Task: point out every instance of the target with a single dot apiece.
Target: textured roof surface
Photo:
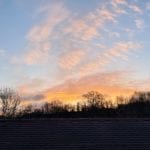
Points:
(75, 134)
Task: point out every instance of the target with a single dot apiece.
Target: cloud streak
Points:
(107, 83)
(119, 50)
(112, 84)
(81, 48)
(139, 23)
(79, 31)
(39, 37)
(70, 60)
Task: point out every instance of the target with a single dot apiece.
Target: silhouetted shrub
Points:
(93, 105)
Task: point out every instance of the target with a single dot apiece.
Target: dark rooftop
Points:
(75, 134)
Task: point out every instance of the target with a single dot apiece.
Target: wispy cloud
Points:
(114, 34)
(29, 86)
(140, 84)
(39, 37)
(106, 83)
(139, 23)
(83, 47)
(71, 59)
(115, 3)
(129, 31)
(119, 50)
(136, 9)
(112, 84)
(88, 27)
(79, 30)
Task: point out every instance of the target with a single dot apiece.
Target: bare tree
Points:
(140, 97)
(54, 106)
(78, 107)
(28, 109)
(108, 104)
(46, 108)
(94, 99)
(120, 100)
(9, 100)
(69, 107)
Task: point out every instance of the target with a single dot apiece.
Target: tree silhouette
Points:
(94, 99)
(95, 104)
(10, 101)
(53, 107)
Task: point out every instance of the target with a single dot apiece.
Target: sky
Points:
(61, 49)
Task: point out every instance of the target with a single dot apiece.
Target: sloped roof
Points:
(75, 134)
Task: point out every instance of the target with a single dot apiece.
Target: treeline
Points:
(94, 104)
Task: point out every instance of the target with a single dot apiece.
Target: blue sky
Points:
(47, 47)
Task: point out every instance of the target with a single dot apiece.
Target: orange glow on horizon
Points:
(76, 96)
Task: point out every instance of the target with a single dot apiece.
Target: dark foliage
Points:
(94, 105)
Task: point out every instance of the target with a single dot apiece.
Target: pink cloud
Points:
(58, 19)
(39, 37)
(119, 50)
(76, 41)
(71, 59)
(113, 84)
(29, 86)
(38, 53)
(87, 27)
(115, 3)
(136, 9)
(107, 83)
